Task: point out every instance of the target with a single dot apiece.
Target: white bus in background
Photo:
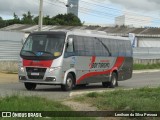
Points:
(70, 58)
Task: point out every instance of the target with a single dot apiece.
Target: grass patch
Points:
(148, 66)
(18, 103)
(145, 99)
(92, 95)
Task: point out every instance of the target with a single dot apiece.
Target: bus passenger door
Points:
(69, 55)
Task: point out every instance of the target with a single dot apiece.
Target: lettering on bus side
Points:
(100, 65)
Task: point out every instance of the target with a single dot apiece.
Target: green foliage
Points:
(24, 103)
(2, 22)
(148, 66)
(144, 99)
(28, 18)
(16, 19)
(67, 19)
(32, 103)
(92, 95)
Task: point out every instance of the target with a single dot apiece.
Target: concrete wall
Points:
(8, 66)
(146, 53)
(10, 45)
(146, 61)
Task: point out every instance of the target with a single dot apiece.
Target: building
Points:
(99, 24)
(147, 40)
(73, 7)
(133, 20)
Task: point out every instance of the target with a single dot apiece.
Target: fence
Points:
(10, 45)
(146, 53)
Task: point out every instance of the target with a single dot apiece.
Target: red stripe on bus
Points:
(37, 63)
(116, 66)
(93, 59)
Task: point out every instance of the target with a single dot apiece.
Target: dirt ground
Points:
(8, 78)
(77, 106)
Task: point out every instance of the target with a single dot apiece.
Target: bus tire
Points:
(113, 82)
(69, 83)
(30, 86)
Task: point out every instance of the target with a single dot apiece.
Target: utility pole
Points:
(40, 23)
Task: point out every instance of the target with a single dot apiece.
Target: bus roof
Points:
(91, 33)
(88, 33)
(49, 32)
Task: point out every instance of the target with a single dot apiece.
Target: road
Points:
(54, 92)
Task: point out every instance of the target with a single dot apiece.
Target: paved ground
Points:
(8, 78)
(9, 85)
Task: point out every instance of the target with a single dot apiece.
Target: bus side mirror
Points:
(70, 41)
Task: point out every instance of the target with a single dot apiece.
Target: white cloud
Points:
(54, 7)
(139, 5)
(51, 7)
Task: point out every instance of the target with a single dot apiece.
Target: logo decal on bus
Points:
(73, 60)
(101, 64)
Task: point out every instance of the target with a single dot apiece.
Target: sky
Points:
(90, 11)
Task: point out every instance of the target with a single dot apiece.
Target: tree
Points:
(16, 19)
(36, 19)
(47, 20)
(1, 18)
(67, 19)
(2, 22)
(27, 18)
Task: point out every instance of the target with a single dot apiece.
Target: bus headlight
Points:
(53, 69)
(21, 69)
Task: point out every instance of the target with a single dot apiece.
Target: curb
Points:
(79, 93)
(146, 71)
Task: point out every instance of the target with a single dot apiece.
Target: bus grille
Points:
(31, 72)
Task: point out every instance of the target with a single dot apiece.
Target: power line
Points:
(97, 14)
(83, 11)
(114, 9)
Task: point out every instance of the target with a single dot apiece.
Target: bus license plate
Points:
(35, 74)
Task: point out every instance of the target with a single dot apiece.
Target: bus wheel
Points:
(30, 86)
(113, 82)
(69, 83)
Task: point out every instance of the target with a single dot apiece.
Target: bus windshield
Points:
(43, 47)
